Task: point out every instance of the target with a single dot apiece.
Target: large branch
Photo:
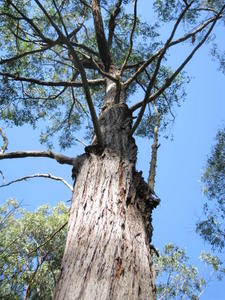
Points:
(180, 68)
(52, 83)
(60, 158)
(49, 176)
(100, 35)
(112, 22)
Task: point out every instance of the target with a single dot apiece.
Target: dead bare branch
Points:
(49, 176)
(5, 141)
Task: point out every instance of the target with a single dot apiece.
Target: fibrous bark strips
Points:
(107, 254)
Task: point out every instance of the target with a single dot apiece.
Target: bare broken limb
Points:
(49, 176)
(5, 141)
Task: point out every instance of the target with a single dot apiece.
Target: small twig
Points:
(50, 176)
(3, 177)
(80, 141)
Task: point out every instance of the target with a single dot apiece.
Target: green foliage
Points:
(219, 56)
(178, 279)
(62, 110)
(31, 249)
(25, 265)
(166, 104)
(212, 227)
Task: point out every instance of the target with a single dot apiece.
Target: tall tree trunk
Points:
(107, 254)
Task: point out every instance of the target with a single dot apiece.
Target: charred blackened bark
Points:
(107, 254)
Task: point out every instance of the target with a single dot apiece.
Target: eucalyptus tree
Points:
(212, 227)
(80, 64)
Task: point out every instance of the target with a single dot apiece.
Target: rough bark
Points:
(107, 254)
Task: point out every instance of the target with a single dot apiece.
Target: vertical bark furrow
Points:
(107, 251)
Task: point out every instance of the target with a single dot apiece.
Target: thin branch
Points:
(5, 141)
(11, 59)
(60, 158)
(112, 22)
(52, 83)
(39, 264)
(193, 32)
(175, 42)
(49, 239)
(131, 39)
(60, 17)
(49, 176)
(180, 68)
(88, 97)
(3, 179)
(81, 142)
(30, 21)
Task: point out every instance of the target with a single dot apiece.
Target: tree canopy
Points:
(57, 57)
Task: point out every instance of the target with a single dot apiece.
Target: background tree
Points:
(212, 227)
(31, 249)
(32, 245)
(55, 41)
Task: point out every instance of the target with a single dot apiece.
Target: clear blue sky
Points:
(180, 163)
